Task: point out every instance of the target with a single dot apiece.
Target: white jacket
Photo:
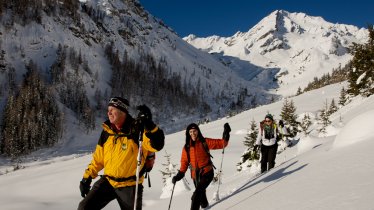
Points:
(267, 142)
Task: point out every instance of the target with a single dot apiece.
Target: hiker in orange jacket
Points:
(195, 154)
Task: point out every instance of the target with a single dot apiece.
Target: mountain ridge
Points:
(300, 46)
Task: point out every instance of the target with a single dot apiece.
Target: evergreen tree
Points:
(289, 116)
(361, 74)
(305, 124)
(31, 118)
(249, 142)
(69, 84)
(299, 91)
(342, 97)
(324, 119)
(338, 75)
(169, 170)
(9, 144)
(333, 108)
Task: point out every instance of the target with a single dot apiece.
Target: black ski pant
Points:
(199, 196)
(268, 154)
(102, 193)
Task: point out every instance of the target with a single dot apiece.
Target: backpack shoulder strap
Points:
(262, 127)
(187, 148)
(276, 128)
(207, 151)
(206, 148)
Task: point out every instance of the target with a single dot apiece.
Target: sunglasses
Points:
(117, 102)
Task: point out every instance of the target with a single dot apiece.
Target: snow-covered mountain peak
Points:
(300, 47)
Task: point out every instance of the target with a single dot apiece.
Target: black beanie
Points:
(193, 126)
(120, 103)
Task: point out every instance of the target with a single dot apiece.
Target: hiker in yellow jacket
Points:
(116, 153)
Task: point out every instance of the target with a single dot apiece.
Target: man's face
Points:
(116, 116)
(193, 133)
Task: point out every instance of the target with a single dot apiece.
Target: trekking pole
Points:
(284, 152)
(172, 192)
(139, 159)
(220, 174)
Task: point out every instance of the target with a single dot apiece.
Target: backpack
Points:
(148, 165)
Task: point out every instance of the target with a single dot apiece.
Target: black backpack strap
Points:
(207, 151)
(206, 147)
(187, 148)
(149, 179)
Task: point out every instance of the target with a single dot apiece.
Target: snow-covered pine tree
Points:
(299, 91)
(361, 74)
(333, 108)
(169, 170)
(305, 124)
(342, 97)
(289, 116)
(249, 155)
(19, 133)
(324, 119)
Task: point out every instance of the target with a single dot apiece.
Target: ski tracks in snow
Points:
(272, 177)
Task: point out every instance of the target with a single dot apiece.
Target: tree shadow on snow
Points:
(275, 177)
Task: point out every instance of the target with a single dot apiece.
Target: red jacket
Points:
(199, 158)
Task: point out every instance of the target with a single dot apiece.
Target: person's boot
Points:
(195, 204)
(204, 201)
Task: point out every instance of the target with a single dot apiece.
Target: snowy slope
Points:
(316, 173)
(303, 178)
(298, 46)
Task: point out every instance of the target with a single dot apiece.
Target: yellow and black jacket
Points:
(117, 153)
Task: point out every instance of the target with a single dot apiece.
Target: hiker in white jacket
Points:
(267, 139)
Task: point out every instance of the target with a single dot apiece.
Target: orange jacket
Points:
(199, 158)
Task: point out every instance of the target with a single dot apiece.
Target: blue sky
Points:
(226, 17)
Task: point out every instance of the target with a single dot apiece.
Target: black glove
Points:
(255, 147)
(177, 177)
(226, 131)
(145, 117)
(85, 186)
(157, 139)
